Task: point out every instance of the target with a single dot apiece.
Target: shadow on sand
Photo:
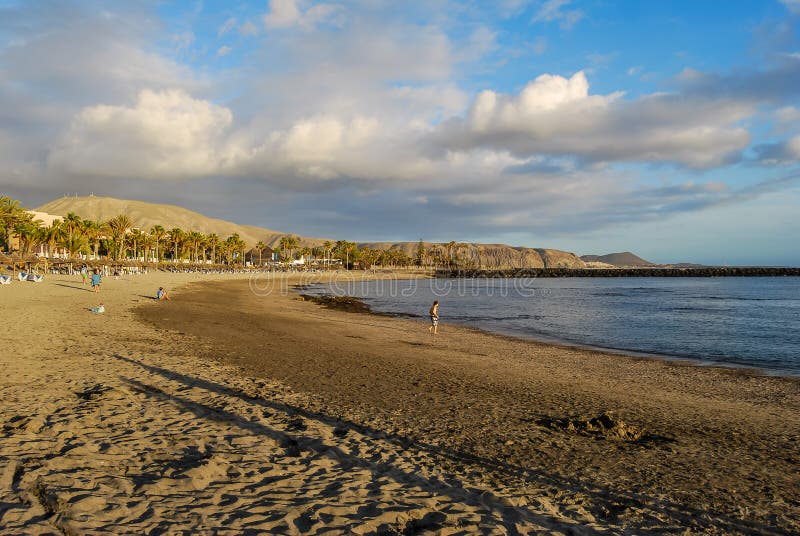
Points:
(610, 501)
(76, 287)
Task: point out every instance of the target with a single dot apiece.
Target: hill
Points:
(624, 259)
(496, 256)
(146, 215)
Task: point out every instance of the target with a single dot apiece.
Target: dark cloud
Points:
(775, 85)
(781, 153)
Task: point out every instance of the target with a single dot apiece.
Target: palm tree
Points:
(212, 241)
(327, 246)
(260, 247)
(283, 243)
(147, 242)
(304, 253)
(234, 245)
(194, 238)
(137, 237)
(230, 247)
(72, 227)
(53, 235)
(237, 245)
(119, 226)
(158, 233)
(29, 234)
(370, 257)
(288, 244)
(76, 244)
(93, 231)
(346, 251)
(11, 214)
(242, 245)
(204, 245)
(420, 258)
(176, 236)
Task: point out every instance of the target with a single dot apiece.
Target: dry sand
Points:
(232, 411)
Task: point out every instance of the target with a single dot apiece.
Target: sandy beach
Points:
(226, 410)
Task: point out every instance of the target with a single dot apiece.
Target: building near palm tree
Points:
(46, 219)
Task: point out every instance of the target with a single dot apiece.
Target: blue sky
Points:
(671, 129)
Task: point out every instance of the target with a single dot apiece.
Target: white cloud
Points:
(481, 41)
(793, 147)
(289, 13)
(165, 135)
(551, 11)
(282, 13)
(224, 51)
(557, 116)
(787, 116)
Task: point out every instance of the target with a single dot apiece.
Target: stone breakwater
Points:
(721, 271)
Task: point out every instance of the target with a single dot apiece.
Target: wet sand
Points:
(228, 411)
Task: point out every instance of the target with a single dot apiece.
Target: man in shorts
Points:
(434, 312)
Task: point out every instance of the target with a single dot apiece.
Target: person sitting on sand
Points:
(99, 309)
(162, 294)
(96, 280)
(434, 312)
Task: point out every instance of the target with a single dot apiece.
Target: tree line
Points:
(117, 240)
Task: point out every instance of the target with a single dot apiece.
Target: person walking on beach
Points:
(434, 312)
(96, 280)
(84, 274)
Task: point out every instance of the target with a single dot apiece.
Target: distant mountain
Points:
(146, 215)
(624, 259)
(496, 256)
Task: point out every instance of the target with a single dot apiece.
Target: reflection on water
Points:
(751, 321)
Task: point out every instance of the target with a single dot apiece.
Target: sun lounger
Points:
(36, 278)
(22, 276)
(5, 279)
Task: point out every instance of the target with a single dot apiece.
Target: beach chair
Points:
(22, 276)
(5, 279)
(36, 278)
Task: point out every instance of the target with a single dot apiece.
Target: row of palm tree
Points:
(117, 239)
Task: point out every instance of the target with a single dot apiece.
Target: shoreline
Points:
(734, 367)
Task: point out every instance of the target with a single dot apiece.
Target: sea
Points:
(751, 322)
